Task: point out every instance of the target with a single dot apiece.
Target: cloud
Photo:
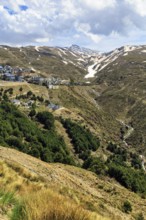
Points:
(99, 5)
(98, 24)
(139, 6)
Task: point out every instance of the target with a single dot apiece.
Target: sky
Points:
(101, 25)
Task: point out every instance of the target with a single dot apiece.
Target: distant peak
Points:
(75, 46)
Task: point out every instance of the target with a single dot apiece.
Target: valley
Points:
(82, 112)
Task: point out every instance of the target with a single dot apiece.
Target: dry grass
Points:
(17, 179)
(27, 197)
(47, 205)
(24, 175)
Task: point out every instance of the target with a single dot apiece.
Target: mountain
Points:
(124, 96)
(83, 50)
(98, 126)
(118, 78)
(63, 62)
(106, 60)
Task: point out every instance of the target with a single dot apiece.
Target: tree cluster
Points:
(82, 139)
(18, 131)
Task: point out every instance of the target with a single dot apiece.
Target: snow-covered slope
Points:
(89, 60)
(67, 60)
(101, 61)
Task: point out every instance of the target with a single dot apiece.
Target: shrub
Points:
(127, 208)
(139, 217)
(46, 118)
(95, 164)
(32, 113)
(29, 93)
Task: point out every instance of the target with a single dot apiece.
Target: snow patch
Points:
(73, 54)
(59, 54)
(143, 51)
(80, 59)
(72, 63)
(103, 67)
(37, 48)
(33, 69)
(129, 48)
(125, 54)
(91, 71)
(65, 62)
(61, 50)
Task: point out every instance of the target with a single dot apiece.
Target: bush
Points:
(32, 113)
(127, 208)
(139, 217)
(95, 164)
(29, 93)
(46, 118)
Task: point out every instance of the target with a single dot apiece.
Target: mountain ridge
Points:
(89, 62)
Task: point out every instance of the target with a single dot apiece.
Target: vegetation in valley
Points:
(38, 138)
(20, 132)
(82, 139)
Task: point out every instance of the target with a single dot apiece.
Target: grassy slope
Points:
(37, 90)
(46, 62)
(25, 195)
(78, 103)
(124, 96)
(82, 107)
(82, 187)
